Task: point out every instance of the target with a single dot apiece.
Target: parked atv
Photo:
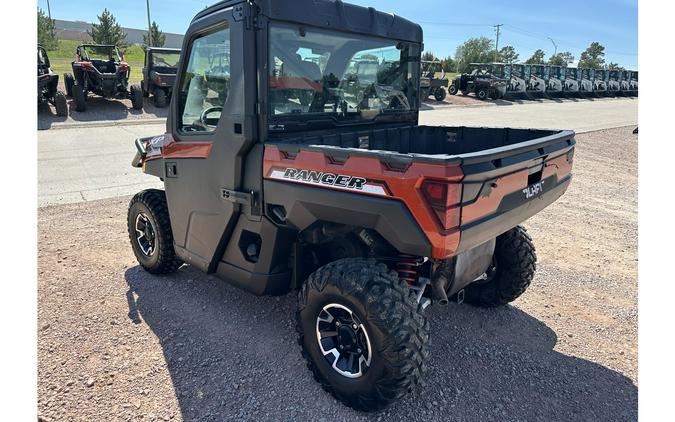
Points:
(481, 82)
(100, 70)
(48, 82)
(159, 73)
(297, 175)
(430, 85)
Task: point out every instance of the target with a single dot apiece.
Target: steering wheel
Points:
(203, 119)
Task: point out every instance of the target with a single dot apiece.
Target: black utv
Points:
(159, 73)
(481, 81)
(101, 70)
(47, 84)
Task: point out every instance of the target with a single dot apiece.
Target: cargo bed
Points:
(496, 177)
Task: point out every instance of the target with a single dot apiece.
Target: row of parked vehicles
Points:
(500, 80)
(101, 70)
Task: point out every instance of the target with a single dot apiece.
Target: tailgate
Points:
(505, 186)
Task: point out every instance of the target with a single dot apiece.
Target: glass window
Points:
(205, 83)
(316, 72)
(166, 59)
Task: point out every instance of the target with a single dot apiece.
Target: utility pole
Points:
(147, 5)
(497, 28)
(49, 10)
(555, 46)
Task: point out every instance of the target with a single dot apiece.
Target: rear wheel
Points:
(482, 94)
(80, 98)
(150, 232)
(439, 95)
(69, 81)
(362, 332)
(515, 265)
(452, 89)
(61, 104)
(136, 97)
(160, 97)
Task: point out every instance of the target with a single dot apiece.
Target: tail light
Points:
(444, 199)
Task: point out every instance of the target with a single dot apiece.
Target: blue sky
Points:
(573, 24)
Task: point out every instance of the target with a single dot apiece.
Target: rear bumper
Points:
(507, 216)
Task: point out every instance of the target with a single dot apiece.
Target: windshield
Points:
(165, 59)
(106, 53)
(345, 76)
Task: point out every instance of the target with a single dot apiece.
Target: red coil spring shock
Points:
(408, 269)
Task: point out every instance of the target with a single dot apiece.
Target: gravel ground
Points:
(116, 343)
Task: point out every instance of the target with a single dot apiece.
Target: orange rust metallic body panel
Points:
(404, 186)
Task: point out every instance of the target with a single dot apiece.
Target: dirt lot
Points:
(116, 343)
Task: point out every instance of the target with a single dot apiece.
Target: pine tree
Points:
(46, 33)
(108, 31)
(157, 37)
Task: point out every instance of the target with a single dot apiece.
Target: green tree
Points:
(561, 59)
(508, 54)
(537, 57)
(46, 33)
(614, 66)
(474, 50)
(428, 56)
(449, 64)
(593, 57)
(157, 37)
(108, 31)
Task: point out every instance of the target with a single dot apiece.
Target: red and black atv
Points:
(101, 70)
(48, 82)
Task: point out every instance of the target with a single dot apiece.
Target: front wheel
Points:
(452, 89)
(150, 232)
(482, 94)
(362, 332)
(515, 263)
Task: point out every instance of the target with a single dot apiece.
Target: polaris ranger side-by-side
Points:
(294, 172)
(101, 70)
(159, 73)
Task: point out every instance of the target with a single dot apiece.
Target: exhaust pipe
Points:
(440, 282)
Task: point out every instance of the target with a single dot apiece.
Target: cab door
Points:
(212, 122)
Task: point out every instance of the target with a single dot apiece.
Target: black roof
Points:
(332, 14)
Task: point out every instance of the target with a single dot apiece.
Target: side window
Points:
(205, 83)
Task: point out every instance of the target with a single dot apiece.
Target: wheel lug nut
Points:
(358, 350)
(355, 326)
(337, 323)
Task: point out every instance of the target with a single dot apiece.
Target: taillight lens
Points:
(444, 199)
